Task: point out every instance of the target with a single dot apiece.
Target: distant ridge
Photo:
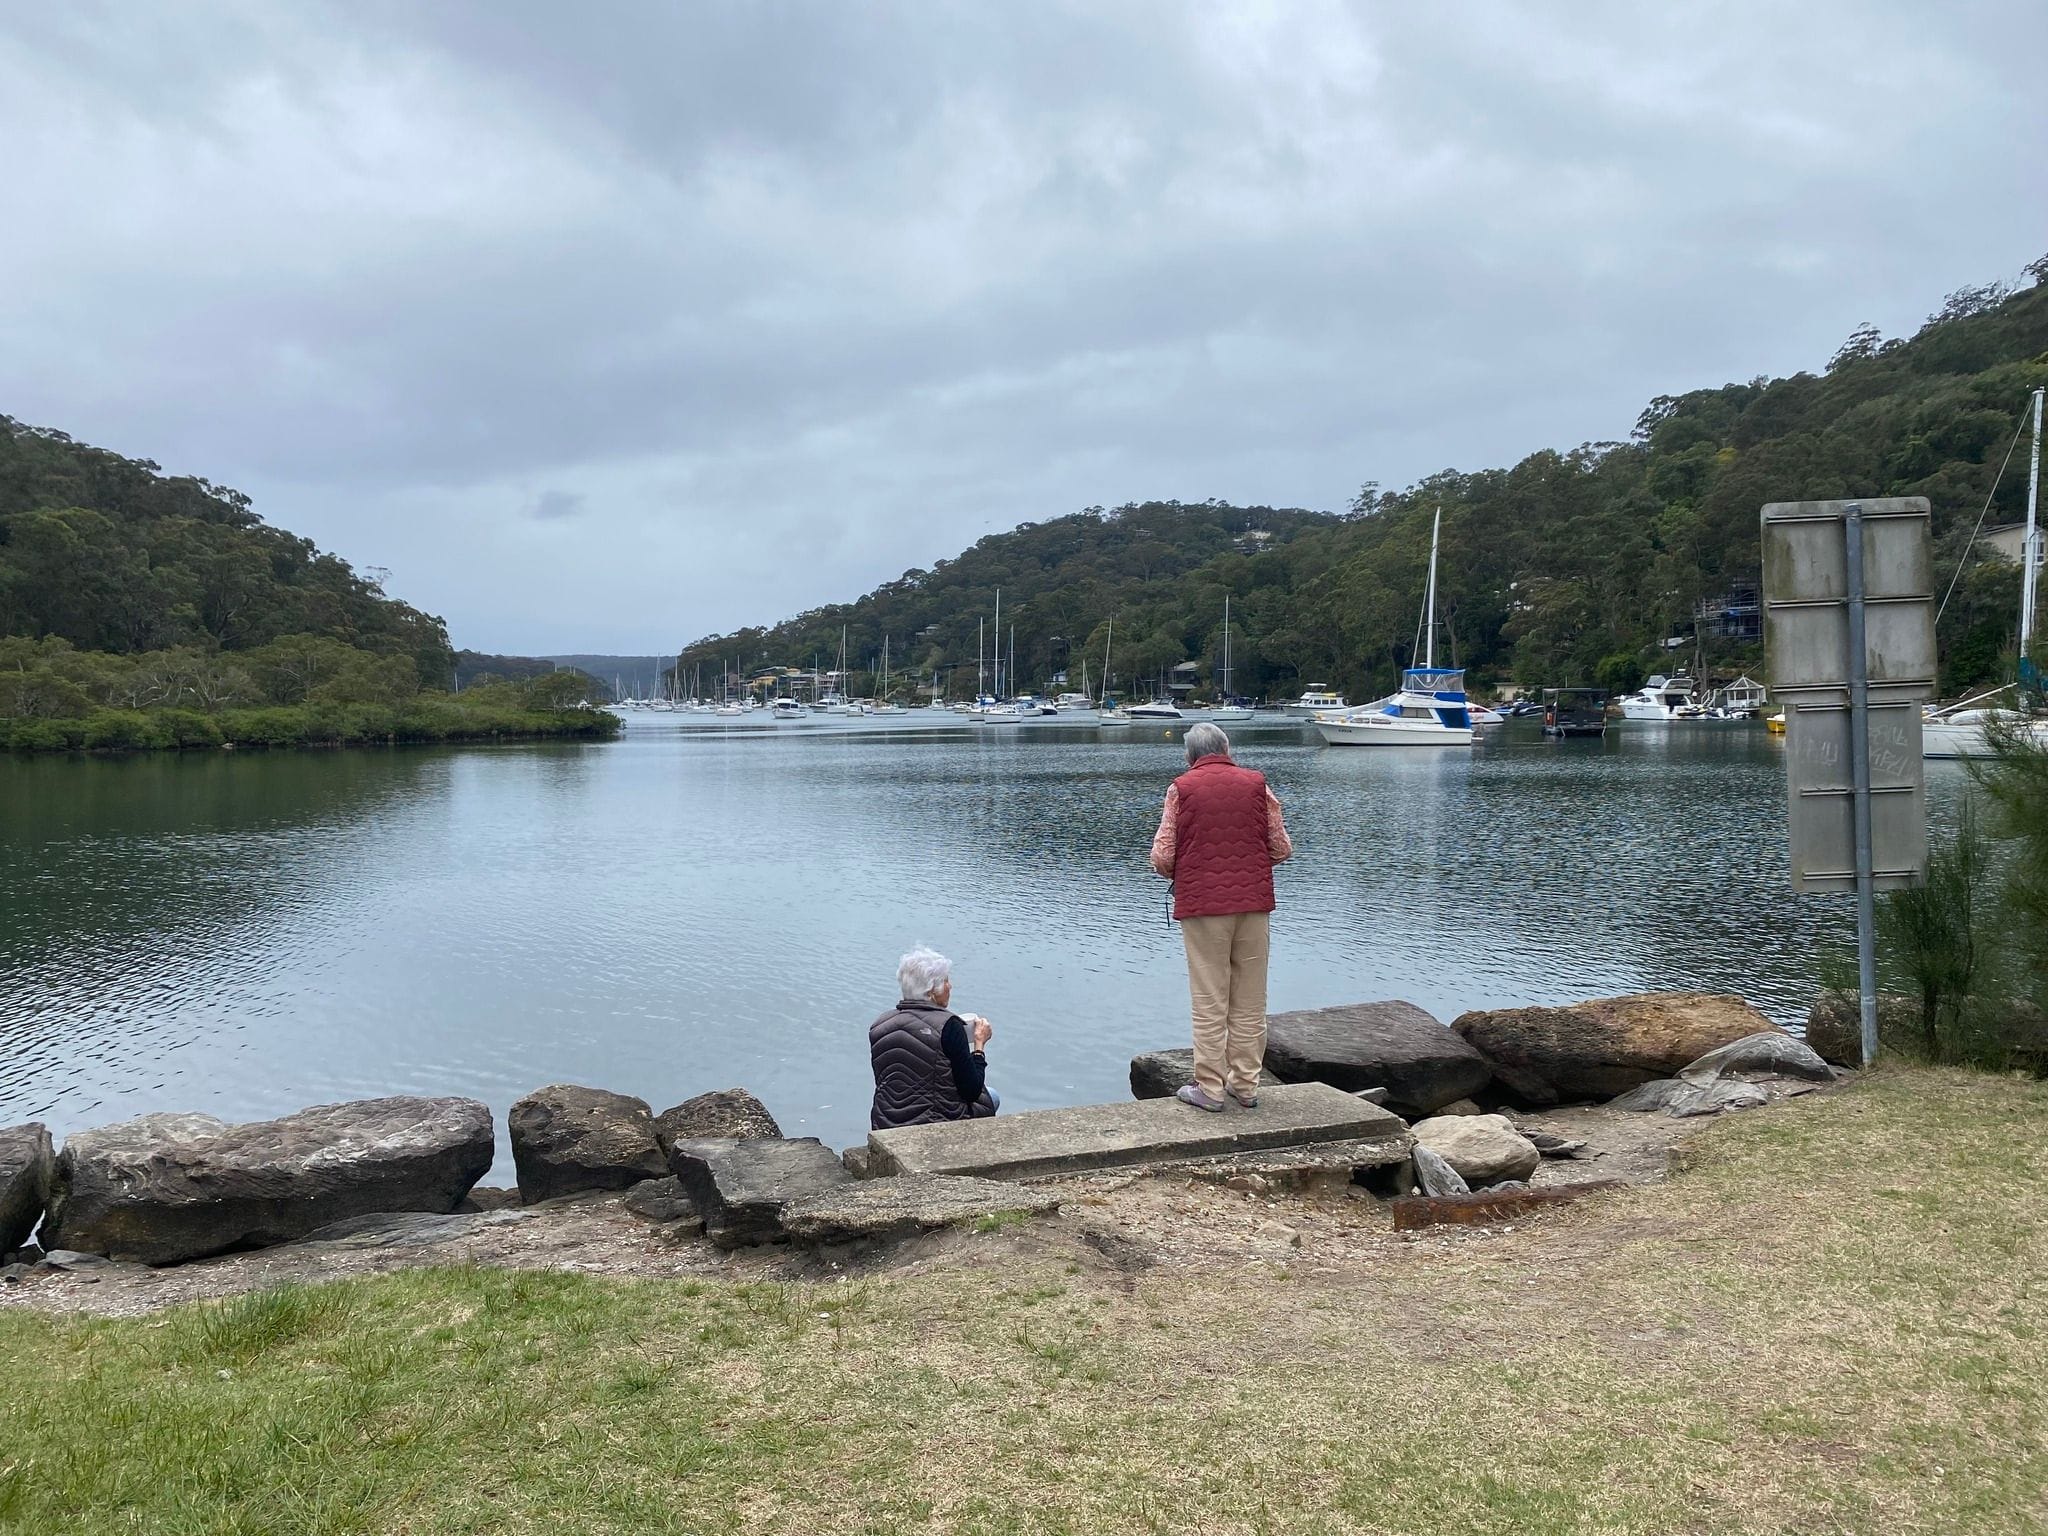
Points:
(1579, 566)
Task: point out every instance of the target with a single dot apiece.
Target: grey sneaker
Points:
(1249, 1098)
(1192, 1094)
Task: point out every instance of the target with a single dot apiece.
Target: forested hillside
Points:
(1571, 567)
(145, 610)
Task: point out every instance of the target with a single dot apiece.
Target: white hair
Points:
(1206, 740)
(921, 973)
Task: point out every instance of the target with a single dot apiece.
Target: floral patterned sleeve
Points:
(1166, 841)
(1278, 843)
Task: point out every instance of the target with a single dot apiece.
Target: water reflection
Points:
(684, 910)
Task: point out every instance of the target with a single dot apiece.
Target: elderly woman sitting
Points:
(929, 1061)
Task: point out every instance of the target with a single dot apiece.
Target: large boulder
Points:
(1390, 1045)
(1162, 1074)
(2009, 1030)
(165, 1188)
(884, 1210)
(1603, 1048)
(725, 1112)
(1834, 1025)
(742, 1185)
(567, 1139)
(27, 1163)
(1482, 1149)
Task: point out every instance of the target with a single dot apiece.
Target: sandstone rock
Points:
(661, 1200)
(880, 1210)
(1835, 1031)
(1834, 1026)
(1482, 1148)
(1462, 1107)
(1599, 1049)
(742, 1185)
(490, 1197)
(855, 1160)
(724, 1112)
(27, 1163)
(1552, 1145)
(1436, 1176)
(1162, 1074)
(164, 1188)
(1390, 1045)
(567, 1139)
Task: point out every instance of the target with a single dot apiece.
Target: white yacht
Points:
(1965, 732)
(786, 708)
(1158, 709)
(1316, 700)
(1227, 711)
(1428, 710)
(1661, 698)
(1965, 729)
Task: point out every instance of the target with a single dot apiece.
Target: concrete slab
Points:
(1041, 1143)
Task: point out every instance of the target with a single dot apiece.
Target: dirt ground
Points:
(1111, 1224)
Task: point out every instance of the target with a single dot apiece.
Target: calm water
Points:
(692, 908)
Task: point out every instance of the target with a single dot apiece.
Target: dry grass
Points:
(1830, 1322)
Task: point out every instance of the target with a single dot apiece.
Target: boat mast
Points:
(1226, 648)
(2030, 548)
(1429, 603)
(999, 643)
(980, 660)
(1107, 641)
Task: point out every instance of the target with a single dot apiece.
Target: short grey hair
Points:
(921, 973)
(1206, 740)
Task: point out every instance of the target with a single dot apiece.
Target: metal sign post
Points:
(1859, 759)
(1849, 634)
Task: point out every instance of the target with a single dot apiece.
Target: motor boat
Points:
(1158, 709)
(1428, 710)
(1317, 699)
(788, 709)
(1661, 698)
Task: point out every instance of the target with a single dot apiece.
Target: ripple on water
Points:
(687, 910)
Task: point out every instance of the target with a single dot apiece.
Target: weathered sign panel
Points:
(1807, 624)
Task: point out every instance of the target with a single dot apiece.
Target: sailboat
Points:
(884, 705)
(1428, 710)
(1227, 709)
(1110, 712)
(1966, 729)
(990, 709)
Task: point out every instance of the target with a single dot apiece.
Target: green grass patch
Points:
(1832, 1322)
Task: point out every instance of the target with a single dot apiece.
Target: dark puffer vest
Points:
(1222, 862)
(913, 1078)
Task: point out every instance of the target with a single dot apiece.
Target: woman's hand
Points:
(979, 1031)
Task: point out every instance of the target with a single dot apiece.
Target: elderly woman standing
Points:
(930, 1063)
(1219, 837)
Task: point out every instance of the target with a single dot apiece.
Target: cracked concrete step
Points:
(1043, 1143)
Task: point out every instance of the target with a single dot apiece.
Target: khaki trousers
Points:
(1227, 991)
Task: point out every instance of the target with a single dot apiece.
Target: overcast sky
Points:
(609, 326)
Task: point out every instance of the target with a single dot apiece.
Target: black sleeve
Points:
(970, 1067)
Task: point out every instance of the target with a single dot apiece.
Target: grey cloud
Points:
(550, 505)
(800, 295)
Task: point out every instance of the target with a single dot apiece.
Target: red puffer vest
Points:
(1222, 862)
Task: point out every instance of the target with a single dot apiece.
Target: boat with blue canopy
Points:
(1428, 710)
